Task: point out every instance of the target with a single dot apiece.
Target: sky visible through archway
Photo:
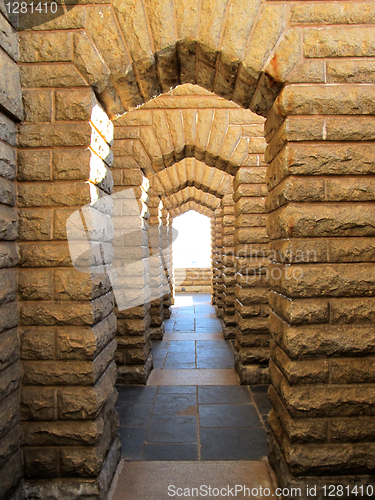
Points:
(192, 247)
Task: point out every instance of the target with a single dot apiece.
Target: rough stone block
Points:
(37, 105)
(41, 462)
(343, 41)
(74, 104)
(35, 224)
(51, 47)
(51, 75)
(10, 88)
(38, 403)
(82, 403)
(8, 285)
(7, 161)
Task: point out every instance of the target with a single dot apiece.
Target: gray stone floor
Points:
(193, 407)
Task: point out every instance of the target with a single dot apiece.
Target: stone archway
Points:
(319, 134)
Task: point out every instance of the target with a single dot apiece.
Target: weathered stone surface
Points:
(9, 413)
(34, 165)
(82, 403)
(323, 339)
(8, 39)
(353, 41)
(326, 100)
(8, 223)
(313, 220)
(48, 75)
(75, 194)
(37, 105)
(35, 224)
(74, 104)
(7, 161)
(7, 285)
(8, 131)
(352, 71)
(55, 134)
(51, 47)
(333, 13)
(10, 89)
(10, 380)
(41, 463)
(315, 159)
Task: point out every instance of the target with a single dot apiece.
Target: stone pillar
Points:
(133, 356)
(252, 335)
(322, 277)
(167, 262)
(218, 264)
(213, 260)
(157, 281)
(229, 272)
(10, 369)
(67, 326)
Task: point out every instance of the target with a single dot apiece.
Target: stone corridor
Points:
(118, 116)
(200, 420)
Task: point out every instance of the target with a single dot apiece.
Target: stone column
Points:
(157, 281)
(322, 277)
(218, 268)
(10, 369)
(229, 272)
(213, 259)
(133, 354)
(167, 262)
(252, 335)
(67, 327)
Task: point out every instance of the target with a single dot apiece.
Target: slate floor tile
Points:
(233, 444)
(228, 415)
(172, 429)
(215, 363)
(132, 441)
(176, 346)
(223, 394)
(174, 403)
(170, 452)
(181, 357)
(211, 344)
(136, 394)
(263, 403)
(178, 366)
(158, 363)
(134, 414)
(177, 389)
(215, 353)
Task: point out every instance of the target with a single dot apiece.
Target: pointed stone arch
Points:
(191, 172)
(221, 137)
(130, 52)
(190, 205)
(187, 194)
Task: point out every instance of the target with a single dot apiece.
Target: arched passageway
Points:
(307, 68)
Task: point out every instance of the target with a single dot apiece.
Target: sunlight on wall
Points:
(192, 247)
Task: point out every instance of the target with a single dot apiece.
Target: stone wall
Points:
(321, 272)
(67, 326)
(319, 262)
(192, 280)
(133, 354)
(11, 111)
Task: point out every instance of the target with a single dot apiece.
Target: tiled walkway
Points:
(193, 407)
(193, 424)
